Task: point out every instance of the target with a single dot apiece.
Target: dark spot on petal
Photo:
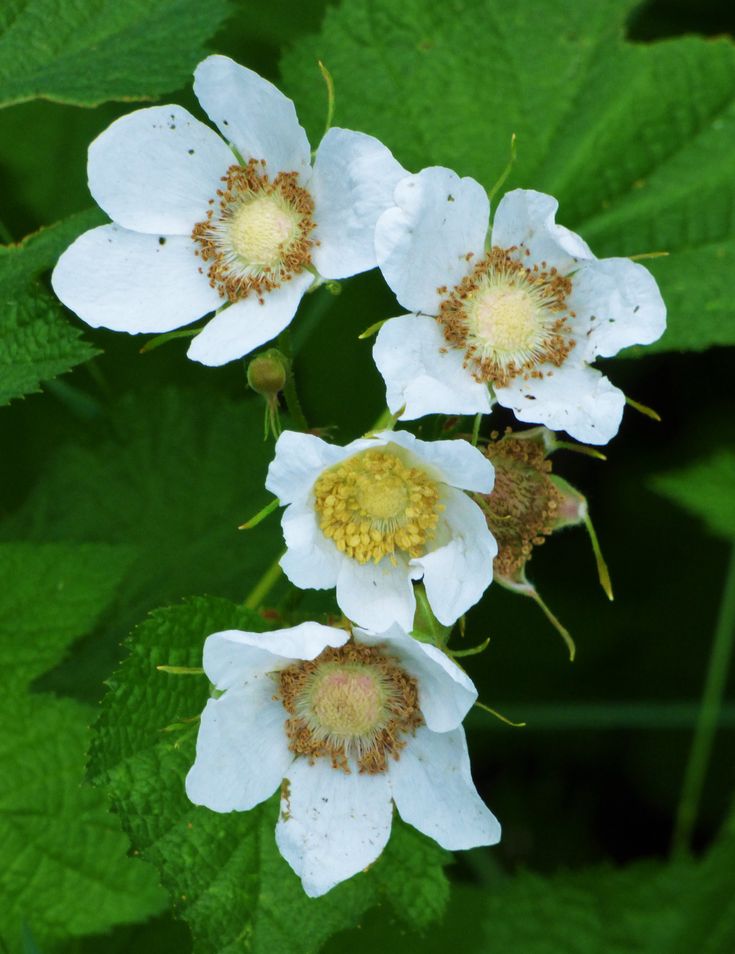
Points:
(225, 123)
(161, 240)
(636, 309)
(191, 152)
(450, 198)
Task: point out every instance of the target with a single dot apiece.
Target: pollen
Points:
(524, 506)
(353, 705)
(256, 233)
(375, 505)
(508, 318)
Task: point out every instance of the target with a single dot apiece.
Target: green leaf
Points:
(51, 595)
(37, 341)
(88, 52)
(170, 473)
(38, 253)
(705, 489)
(636, 141)
(224, 872)
(63, 865)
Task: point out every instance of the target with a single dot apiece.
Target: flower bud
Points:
(268, 372)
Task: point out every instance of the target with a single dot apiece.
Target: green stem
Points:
(289, 389)
(264, 585)
(476, 429)
(704, 733)
(327, 76)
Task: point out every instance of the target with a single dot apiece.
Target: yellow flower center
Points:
(347, 700)
(374, 505)
(508, 318)
(256, 233)
(351, 704)
(261, 229)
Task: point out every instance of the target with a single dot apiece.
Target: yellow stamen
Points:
(508, 318)
(374, 505)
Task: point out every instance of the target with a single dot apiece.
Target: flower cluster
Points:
(350, 720)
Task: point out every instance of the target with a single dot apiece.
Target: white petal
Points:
(242, 750)
(236, 658)
(433, 790)
(156, 169)
(299, 460)
(454, 462)
(423, 373)
(252, 114)
(353, 183)
(332, 825)
(311, 561)
(617, 303)
(423, 242)
(458, 573)
(576, 399)
(525, 219)
(446, 692)
(127, 281)
(376, 595)
(245, 325)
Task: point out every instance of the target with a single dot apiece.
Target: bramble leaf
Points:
(85, 52)
(635, 140)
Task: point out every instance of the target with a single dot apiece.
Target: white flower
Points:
(351, 726)
(387, 509)
(200, 222)
(518, 321)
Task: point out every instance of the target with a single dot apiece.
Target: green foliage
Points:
(636, 141)
(170, 474)
(648, 908)
(224, 872)
(37, 342)
(705, 489)
(88, 51)
(63, 864)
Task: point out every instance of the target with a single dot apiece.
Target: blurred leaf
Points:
(706, 489)
(648, 908)
(636, 141)
(51, 595)
(223, 871)
(88, 51)
(63, 864)
(171, 474)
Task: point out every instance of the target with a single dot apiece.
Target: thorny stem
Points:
(265, 584)
(709, 711)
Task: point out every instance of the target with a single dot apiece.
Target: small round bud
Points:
(268, 372)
